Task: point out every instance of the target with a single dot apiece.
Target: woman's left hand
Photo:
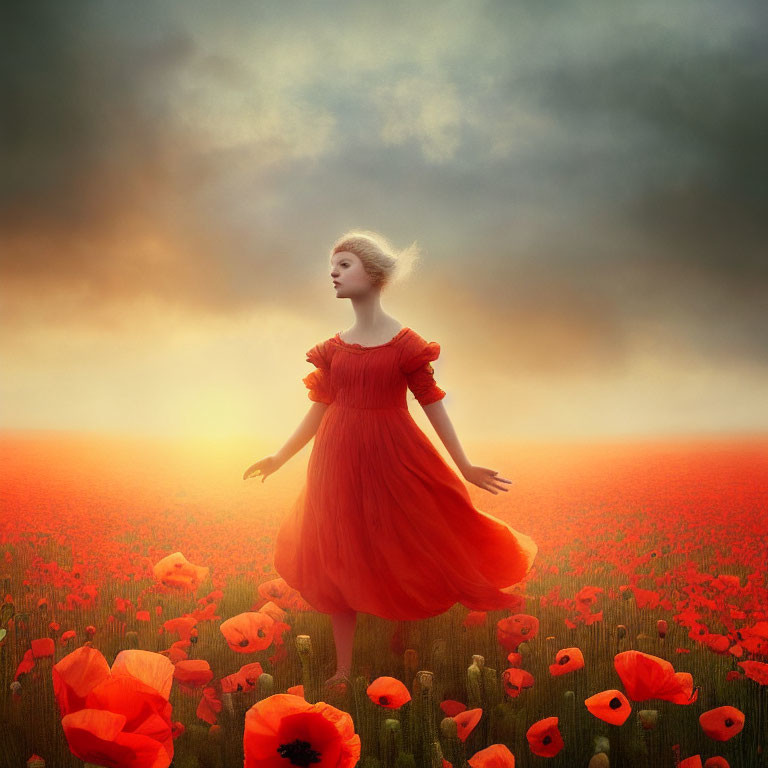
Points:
(485, 478)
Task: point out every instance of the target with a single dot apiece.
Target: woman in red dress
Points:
(383, 525)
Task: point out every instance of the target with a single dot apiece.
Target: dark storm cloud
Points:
(85, 155)
(634, 187)
(702, 195)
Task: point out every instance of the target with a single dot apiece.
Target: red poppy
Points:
(193, 673)
(514, 680)
(388, 692)
(495, 756)
(248, 632)
(716, 762)
(611, 706)
(755, 670)
(690, 762)
(182, 626)
(722, 723)
(274, 611)
(566, 660)
(98, 736)
(245, 679)
(513, 630)
(287, 598)
(662, 628)
(648, 677)
(475, 619)
(42, 647)
(209, 706)
(514, 659)
(76, 675)
(120, 716)
(586, 597)
(544, 737)
(151, 668)
(296, 690)
(286, 726)
(176, 571)
(451, 708)
(466, 722)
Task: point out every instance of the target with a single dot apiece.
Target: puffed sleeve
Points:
(420, 374)
(319, 382)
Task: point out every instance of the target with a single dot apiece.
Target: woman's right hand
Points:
(263, 467)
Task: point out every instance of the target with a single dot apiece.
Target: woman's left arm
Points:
(485, 478)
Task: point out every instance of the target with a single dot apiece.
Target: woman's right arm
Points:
(303, 434)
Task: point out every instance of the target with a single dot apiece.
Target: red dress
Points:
(383, 525)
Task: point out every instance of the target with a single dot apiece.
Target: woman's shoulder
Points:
(321, 353)
(417, 350)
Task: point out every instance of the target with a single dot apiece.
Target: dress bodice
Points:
(356, 376)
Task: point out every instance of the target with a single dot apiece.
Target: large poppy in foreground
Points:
(98, 736)
(118, 717)
(288, 727)
(648, 677)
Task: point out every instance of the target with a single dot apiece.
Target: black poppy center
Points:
(546, 740)
(564, 659)
(243, 643)
(615, 703)
(299, 752)
(384, 700)
(728, 722)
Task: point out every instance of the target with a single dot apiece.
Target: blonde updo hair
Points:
(383, 264)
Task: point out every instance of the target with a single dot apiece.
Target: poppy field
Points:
(143, 624)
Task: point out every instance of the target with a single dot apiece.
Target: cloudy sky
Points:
(588, 183)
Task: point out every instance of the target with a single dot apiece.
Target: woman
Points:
(383, 525)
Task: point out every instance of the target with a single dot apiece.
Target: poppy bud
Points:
(661, 628)
(648, 718)
(600, 760)
(621, 631)
(266, 685)
(35, 762)
(449, 728)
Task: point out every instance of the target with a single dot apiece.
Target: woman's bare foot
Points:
(341, 677)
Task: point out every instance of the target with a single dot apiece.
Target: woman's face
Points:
(349, 275)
